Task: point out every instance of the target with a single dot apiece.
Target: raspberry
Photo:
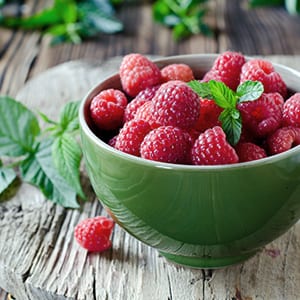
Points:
(227, 68)
(212, 148)
(181, 72)
(137, 72)
(262, 116)
(291, 111)
(166, 144)
(209, 115)
(176, 104)
(263, 71)
(142, 97)
(107, 109)
(283, 139)
(131, 136)
(93, 234)
(249, 151)
(145, 113)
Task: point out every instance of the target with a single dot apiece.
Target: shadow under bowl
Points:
(198, 216)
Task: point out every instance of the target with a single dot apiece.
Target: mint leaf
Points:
(7, 176)
(222, 94)
(249, 90)
(66, 154)
(38, 169)
(18, 128)
(69, 116)
(231, 124)
(200, 88)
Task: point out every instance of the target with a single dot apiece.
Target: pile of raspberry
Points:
(157, 116)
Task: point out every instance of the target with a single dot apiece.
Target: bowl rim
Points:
(156, 164)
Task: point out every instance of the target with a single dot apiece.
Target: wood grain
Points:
(39, 259)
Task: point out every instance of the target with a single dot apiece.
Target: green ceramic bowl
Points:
(199, 216)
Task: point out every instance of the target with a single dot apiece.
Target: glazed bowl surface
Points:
(198, 216)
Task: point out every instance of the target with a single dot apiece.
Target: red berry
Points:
(107, 109)
(93, 234)
(262, 116)
(212, 148)
(142, 97)
(249, 151)
(263, 71)
(145, 113)
(137, 72)
(227, 68)
(209, 115)
(131, 136)
(166, 144)
(181, 72)
(283, 139)
(291, 111)
(176, 104)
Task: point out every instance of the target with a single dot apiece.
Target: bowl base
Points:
(207, 262)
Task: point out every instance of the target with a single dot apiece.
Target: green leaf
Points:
(7, 176)
(38, 169)
(249, 91)
(292, 6)
(200, 88)
(231, 124)
(18, 128)
(66, 155)
(69, 116)
(222, 95)
(255, 3)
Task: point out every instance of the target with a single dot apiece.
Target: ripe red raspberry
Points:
(291, 111)
(209, 115)
(176, 104)
(142, 97)
(107, 109)
(283, 139)
(145, 113)
(249, 151)
(137, 72)
(263, 71)
(93, 234)
(212, 148)
(262, 116)
(166, 144)
(227, 68)
(181, 72)
(131, 136)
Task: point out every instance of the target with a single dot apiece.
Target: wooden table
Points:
(39, 258)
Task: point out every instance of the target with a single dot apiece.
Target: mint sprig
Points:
(49, 159)
(228, 99)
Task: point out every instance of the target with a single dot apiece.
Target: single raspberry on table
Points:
(249, 151)
(226, 68)
(283, 139)
(263, 116)
(107, 109)
(142, 97)
(176, 104)
(181, 72)
(137, 72)
(94, 233)
(212, 148)
(291, 111)
(166, 144)
(264, 71)
(209, 115)
(131, 136)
